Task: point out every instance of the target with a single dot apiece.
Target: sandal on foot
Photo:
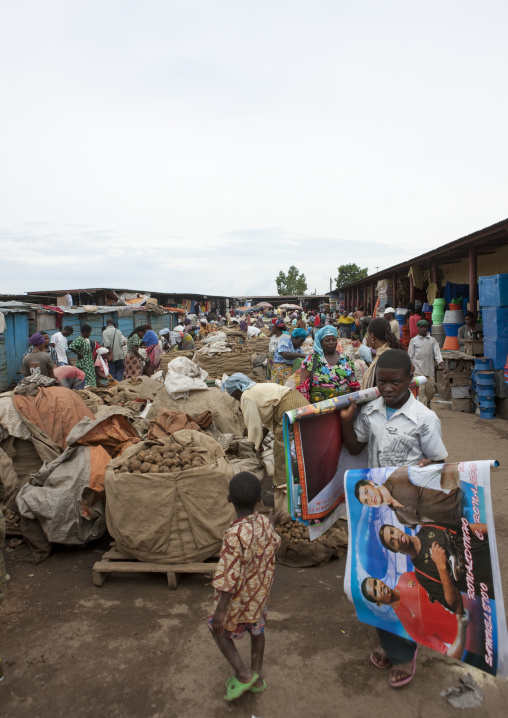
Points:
(235, 688)
(258, 689)
(398, 683)
(380, 661)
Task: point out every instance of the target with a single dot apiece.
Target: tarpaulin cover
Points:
(114, 433)
(55, 410)
(58, 498)
(169, 422)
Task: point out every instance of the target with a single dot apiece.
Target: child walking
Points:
(242, 584)
(399, 431)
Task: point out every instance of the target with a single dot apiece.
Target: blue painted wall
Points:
(13, 344)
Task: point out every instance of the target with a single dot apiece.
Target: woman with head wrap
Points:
(82, 346)
(38, 360)
(153, 352)
(259, 322)
(278, 328)
(380, 338)
(288, 349)
(134, 362)
(243, 325)
(263, 407)
(326, 373)
(102, 366)
(164, 340)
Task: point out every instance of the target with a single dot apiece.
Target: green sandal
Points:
(235, 689)
(258, 689)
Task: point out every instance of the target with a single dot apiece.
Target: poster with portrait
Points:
(422, 559)
(316, 459)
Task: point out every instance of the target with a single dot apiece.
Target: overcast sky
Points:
(203, 146)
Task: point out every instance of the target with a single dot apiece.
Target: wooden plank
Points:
(143, 567)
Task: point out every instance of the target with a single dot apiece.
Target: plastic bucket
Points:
(482, 363)
(439, 302)
(453, 316)
(487, 414)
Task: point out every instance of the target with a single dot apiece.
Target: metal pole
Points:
(473, 279)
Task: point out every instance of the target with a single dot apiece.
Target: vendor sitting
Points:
(102, 366)
(288, 349)
(467, 331)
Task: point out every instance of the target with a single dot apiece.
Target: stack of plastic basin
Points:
(400, 315)
(494, 304)
(438, 310)
(485, 394)
(438, 332)
(453, 320)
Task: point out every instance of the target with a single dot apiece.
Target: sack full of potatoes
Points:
(166, 500)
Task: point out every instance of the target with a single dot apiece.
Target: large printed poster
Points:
(316, 459)
(422, 559)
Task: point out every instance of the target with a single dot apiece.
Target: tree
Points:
(350, 273)
(291, 283)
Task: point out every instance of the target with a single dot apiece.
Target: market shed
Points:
(13, 341)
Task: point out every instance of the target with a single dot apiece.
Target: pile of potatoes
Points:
(294, 531)
(162, 460)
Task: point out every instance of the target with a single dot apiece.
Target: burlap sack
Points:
(175, 517)
(314, 553)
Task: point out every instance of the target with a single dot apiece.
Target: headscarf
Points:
(326, 331)
(237, 381)
(36, 340)
(187, 321)
(297, 333)
(150, 338)
(345, 320)
(279, 324)
(422, 323)
(163, 332)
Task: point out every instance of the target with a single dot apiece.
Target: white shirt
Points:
(413, 433)
(395, 327)
(253, 332)
(258, 404)
(60, 342)
(424, 353)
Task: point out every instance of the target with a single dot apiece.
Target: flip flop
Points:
(410, 676)
(378, 663)
(258, 689)
(254, 689)
(235, 688)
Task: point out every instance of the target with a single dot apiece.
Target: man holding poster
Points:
(398, 431)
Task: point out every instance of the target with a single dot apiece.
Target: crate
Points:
(495, 322)
(460, 392)
(462, 405)
(460, 378)
(497, 351)
(494, 290)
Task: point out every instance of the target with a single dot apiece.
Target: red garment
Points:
(317, 321)
(427, 623)
(413, 329)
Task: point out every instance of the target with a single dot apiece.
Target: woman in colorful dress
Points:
(326, 373)
(153, 352)
(278, 328)
(82, 347)
(134, 363)
(288, 349)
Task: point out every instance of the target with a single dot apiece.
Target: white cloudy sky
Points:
(203, 146)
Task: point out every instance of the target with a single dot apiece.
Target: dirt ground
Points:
(133, 648)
